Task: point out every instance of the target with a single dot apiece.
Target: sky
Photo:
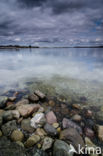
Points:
(65, 22)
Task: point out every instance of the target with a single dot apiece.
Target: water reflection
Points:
(77, 63)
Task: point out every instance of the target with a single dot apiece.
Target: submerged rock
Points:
(16, 114)
(50, 130)
(26, 125)
(27, 109)
(3, 100)
(67, 123)
(38, 120)
(76, 117)
(7, 148)
(51, 118)
(22, 102)
(17, 136)
(72, 136)
(40, 132)
(8, 127)
(39, 94)
(47, 143)
(7, 116)
(32, 140)
(61, 148)
(33, 98)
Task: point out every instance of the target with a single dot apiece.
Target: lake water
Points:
(67, 71)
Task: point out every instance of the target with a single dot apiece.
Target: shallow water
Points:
(58, 70)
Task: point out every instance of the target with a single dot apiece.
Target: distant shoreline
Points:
(26, 47)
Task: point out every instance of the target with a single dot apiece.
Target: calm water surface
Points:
(68, 70)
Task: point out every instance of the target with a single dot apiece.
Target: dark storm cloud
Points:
(71, 21)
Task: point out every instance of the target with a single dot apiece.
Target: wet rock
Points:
(72, 136)
(61, 148)
(8, 148)
(50, 130)
(26, 110)
(40, 132)
(25, 125)
(67, 123)
(32, 141)
(8, 127)
(38, 120)
(47, 143)
(3, 100)
(10, 107)
(1, 120)
(16, 114)
(17, 136)
(100, 132)
(7, 116)
(33, 98)
(55, 125)
(76, 117)
(51, 118)
(1, 133)
(89, 132)
(22, 102)
(39, 94)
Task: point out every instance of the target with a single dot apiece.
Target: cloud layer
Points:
(55, 21)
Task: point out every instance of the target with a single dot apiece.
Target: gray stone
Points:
(25, 125)
(72, 136)
(8, 127)
(50, 130)
(39, 94)
(8, 148)
(47, 143)
(33, 98)
(7, 116)
(61, 149)
(67, 123)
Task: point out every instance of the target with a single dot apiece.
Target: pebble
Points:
(32, 141)
(72, 136)
(77, 117)
(67, 123)
(61, 148)
(47, 143)
(38, 120)
(17, 136)
(27, 109)
(50, 130)
(51, 118)
(33, 98)
(39, 94)
(55, 125)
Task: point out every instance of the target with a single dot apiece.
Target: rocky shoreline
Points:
(41, 125)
